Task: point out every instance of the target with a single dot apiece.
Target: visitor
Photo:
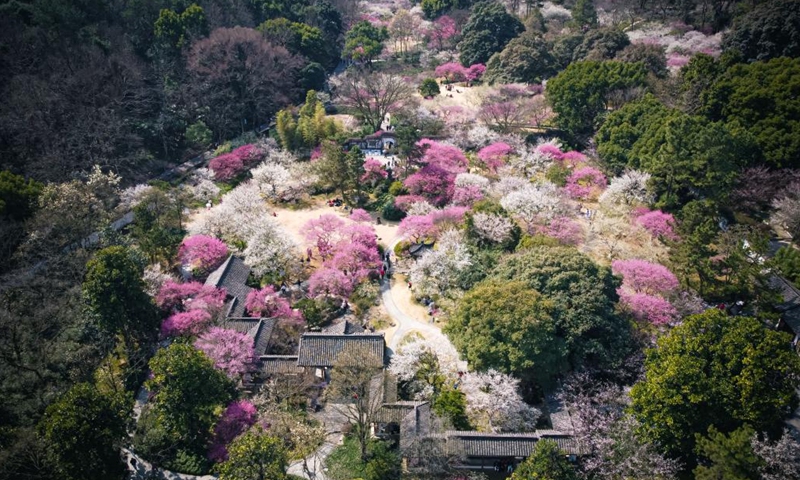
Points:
(409, 285)
(208, 205)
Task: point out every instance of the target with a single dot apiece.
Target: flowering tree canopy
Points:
(565, 230)
(174, 296)
(188, 323)
(585, 183)
(658, 223)
(416, 228)
(492, 227)
(324, 232)
(423, 364)
(494, 403)
(644, 277)
(202, 253)
(231, 351)
(495, 154)
(646, 307)
(534, 203)
(466, 196)
(451, 72)
(475, 72)
(441, 31)
(360, 215)
(436, 271)
(330, 281)
(373, 170)
(226, 166)
(235, 420)
(267, 303)
(270, 249)
(627, 190)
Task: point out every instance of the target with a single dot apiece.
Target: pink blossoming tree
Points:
(403, 202)
(565, 230)
(323, 232)
(451, 72)
(416, 228)
(644, 307)
(267, 303)
(585, 183)
(330, 281)
(441, 31)
(474, 72)
(202, 254)
(175, 297)
(360, 215)
(494, 155)
(231, 351)
(641, 276)
(189, 323)
(658, 223)
(373, 171)
(237, 418)
(226, 166)
(467, 195)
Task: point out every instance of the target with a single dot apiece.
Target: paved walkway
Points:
(314, 466)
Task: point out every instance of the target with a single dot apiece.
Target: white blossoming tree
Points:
(536, 203)
(425, 365)
(492, 227)
(626, 192)
(270, 249)
(494, 403)
(435, 272)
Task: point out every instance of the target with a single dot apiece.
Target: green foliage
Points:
(313, 76)
(298, 38)
(174, 31)
(365, 296)
(429, 87)
(761, 98)
(452, 405)
(490, 207)
(583, 296)
(787, 261)
(341, 170)
(558, 173)
(652, 56)
(601, 44)
(526, 59)
(308, 128)
(114, 294)
(254, 455)
(547, 462)
(189, 395)
(581, 94)
(158, 229)
(729, 457)
(391, 212)
(345, 463)
(489, 29)
(583, 14)
(687, 156)
(364, 41)
(508, 326)
(17, 196)
(199, 135)
(436, 8)
(717, 370)
(563, 48)
(84, 430)
(770, 30)
(317, 311)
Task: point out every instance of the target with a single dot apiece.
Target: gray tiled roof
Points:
(345, 327)
(259, 328)
(790, 313)
(277, 364)
(322, 349)
(498, 445)
(232, 275)
(396, 412)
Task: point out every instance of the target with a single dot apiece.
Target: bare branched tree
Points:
(372, 95)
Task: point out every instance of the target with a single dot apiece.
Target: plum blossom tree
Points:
(190, 323)
(404, 202)
(176, 297)
(433, 183)
(267, 303)
(627, 191)
(271, 178)
(474, 72)
(355, 259)
(534, 203)
(451, 72)
(236, 419)
(494, 403)
(565, 230)
(235, 219)
(416, 228)
(645, 307)
(641, 276)
(226, 166)
(471, 179)
(231, 351)
(507, 185)
(494, 155)
(441, 32)
(360, 215)
(658, 223)
(585, 183)
(270, 249)
(436, 271)
(202, 253)
(373, 171)
(492, 227)
(420, 208)
(324, 232)
(425, 365)
(448, 218)
(466, 196)
(330, 281)
(781, 458)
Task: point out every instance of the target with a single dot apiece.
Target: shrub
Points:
(429, 88)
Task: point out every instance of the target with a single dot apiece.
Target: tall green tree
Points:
(584, 15)
(728, 457)
(583, 93)
(526, 59)
(341, 170)
(17, 195)
(718, 370)
(84, 430)
(583, 295)
(364, 42)
(489, 29)
(508, 326)
(114, 294)
(770, 30)
(546, 462)
(254, 456)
